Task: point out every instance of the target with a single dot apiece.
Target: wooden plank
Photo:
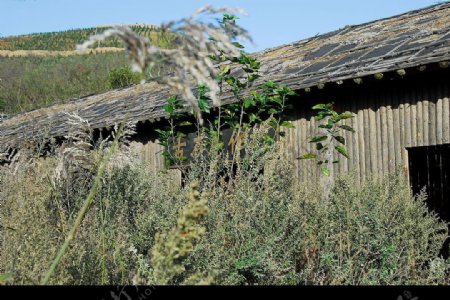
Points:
(445, 114)
(304, 147)
(351, 137)
(355, 136)
(445, 120)
(401, 108)
(396, 129)
(297, 143)
(413, 119)
(292, 145)
(432, 122)
(343, 165)
(308, 165)
(384, 136)
(372, 136)
(367, 148)
(313, 131)
(419, 123)
(406, 170)
(152, 154)
(439, 124)
(301, 142)
(426, 118)
(407, 120)
(391, 139)
(298, 139)
(349, 141)
(361, 154)
(406, 131)
(379, 138)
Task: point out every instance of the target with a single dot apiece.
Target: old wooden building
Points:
(392, 74)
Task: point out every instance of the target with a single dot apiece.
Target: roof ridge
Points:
(424, 10)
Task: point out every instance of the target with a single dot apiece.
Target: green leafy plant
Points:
(249, 107)
(332, 132)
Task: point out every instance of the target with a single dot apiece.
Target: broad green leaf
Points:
(172, 100)
(229, 17)
(318, 138)
(268, 139)
(340, 139)
(252, 77)
(253, 117)
(160, 131)
(168, 108)
(322, 115)
(270, 84)
(230, 80)
(238, 45)
(323, 106)
(275, 100)
(226, 70)
(287, 124)
(180, 134)
(342, 151)
(185, 123)
(255, 64)
(203, 105)
(325, 171)
(348, 128)
(284, 90)
(326, 126)
(249, 102)
(307, 156)
(343, 116)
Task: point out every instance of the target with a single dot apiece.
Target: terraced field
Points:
(42, 69)
(67, 40)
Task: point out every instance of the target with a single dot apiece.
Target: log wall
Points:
(390, 116)
(388, 119)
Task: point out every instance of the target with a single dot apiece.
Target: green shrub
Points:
(263, 227)
(122, 77)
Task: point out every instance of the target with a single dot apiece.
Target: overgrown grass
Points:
(31, 82)
(261, 226)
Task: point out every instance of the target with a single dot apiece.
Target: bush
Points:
(122, 77)
(268, 229)
(263, 227)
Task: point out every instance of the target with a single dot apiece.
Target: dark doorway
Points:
(429, 167)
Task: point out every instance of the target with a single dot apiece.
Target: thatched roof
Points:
(412, 39)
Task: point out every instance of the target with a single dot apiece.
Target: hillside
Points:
(41, 69)
(67, 40)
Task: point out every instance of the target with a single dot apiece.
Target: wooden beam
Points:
(357, 80)
(401, 72)
(444, 64)
(378, 76)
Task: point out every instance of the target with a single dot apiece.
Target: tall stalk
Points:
(84, 209)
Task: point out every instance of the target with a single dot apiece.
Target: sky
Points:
(270, 22)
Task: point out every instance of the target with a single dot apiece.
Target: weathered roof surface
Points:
(411, 39)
